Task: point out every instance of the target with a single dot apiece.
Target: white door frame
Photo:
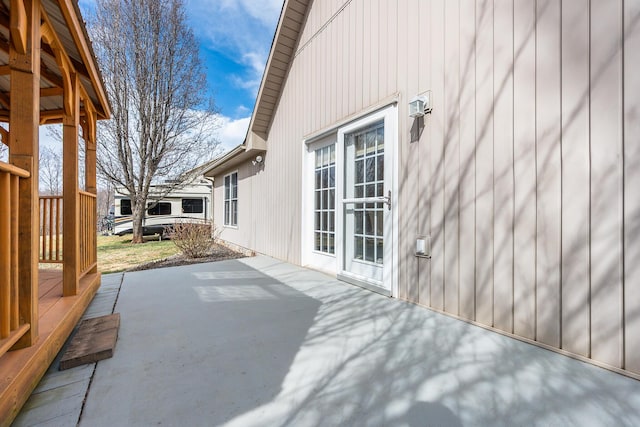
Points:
(390, 265)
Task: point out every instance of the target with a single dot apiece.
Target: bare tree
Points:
(50, 171)
(4, 151)
(163, 123)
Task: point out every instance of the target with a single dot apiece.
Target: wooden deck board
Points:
(21, 370)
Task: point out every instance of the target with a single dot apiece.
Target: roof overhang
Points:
(232, 159)
(70, 35)
(283, 50)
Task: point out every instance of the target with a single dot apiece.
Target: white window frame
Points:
(227, 221)
(323, 227)
(310, 257)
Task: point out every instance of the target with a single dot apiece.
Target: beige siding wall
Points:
(525, 175)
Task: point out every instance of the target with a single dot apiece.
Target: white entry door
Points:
(366, 202)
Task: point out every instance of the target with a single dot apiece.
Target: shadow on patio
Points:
(259, 342)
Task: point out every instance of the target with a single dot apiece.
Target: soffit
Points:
(67, 23)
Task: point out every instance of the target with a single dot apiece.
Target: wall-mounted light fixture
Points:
(423, 247)
(257, 161)
(420, 105)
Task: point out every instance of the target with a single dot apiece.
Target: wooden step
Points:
(95, 340)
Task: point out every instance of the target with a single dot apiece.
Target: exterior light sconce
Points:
(420, 105)
(257, 161)
(423, 247)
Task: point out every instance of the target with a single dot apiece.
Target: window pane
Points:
(359, 171)
(192, 206)
(379, 223)
(332, 225)
(317, 221)
(318, 179)
(331, 244)
(359, 145)
(234, 178)
(358, 218)
(371, 190)
(370, 171)
(332, 176)
(371, 142)
(379, 251)
(380, 139)
(125, 207)
(369, 219)
(325, 199)
(226, 212)
(317, 237)
(318, 204)
(323, 247)
(234, 209)
(380, 168)
(358, 250)
(369, 251)
(332, 199)
(162, 208)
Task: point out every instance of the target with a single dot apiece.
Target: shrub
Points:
(195, 240)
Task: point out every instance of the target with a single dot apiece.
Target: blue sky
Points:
(235, 37)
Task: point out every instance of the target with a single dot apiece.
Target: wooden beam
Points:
(51, 91)
(45, 92)
(24, 122)
(70, 11)
(70, 195)
(5, 70)
(18, 26)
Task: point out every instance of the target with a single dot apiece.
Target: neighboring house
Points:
(49, 75)
(513, 204)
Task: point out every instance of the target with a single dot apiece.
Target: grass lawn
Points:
(117, 253)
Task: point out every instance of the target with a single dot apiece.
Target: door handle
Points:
(378, 199)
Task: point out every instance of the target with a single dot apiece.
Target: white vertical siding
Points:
(606, 181)
(525, 174)
(631, 84)
(575, 174)
(524, 166)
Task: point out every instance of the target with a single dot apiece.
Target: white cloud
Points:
(242, 29)
(232, 132)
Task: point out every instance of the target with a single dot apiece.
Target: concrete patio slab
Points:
(258, 342)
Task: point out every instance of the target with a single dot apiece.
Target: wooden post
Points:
(24, 120)
(90, 160)
(70, 195)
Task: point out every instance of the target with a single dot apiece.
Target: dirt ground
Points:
(218, 253)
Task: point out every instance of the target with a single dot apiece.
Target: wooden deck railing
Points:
(11, 329)
(51, 229)
(88, 232)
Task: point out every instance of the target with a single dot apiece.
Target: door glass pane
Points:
(369, 251)
(379, 251)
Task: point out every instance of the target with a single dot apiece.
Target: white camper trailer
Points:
(192, 202)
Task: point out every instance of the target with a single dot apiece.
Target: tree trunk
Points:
(137, 217)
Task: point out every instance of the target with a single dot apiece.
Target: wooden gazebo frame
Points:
(48, 74)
